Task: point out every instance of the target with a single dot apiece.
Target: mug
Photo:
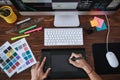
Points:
(11, 18)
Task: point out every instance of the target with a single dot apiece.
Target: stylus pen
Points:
(76, 58)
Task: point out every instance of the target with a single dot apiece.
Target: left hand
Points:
(37, 71)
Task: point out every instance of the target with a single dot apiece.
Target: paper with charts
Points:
(10, 61)
(24, 50)
(16, 57)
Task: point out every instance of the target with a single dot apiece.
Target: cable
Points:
(108, 32)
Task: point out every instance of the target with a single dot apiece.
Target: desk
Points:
(36, 41)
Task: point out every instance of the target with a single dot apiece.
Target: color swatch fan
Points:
(24, 50)
(9, 59)
(16, 57)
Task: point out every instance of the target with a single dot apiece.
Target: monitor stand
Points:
(66, 21)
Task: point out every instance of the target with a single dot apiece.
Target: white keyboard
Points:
(63, 36)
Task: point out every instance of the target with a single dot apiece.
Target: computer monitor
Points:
(66, 11)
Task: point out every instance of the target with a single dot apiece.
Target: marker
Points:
(33, 30)
(14, 38)
(31, 27)
(25, 20)
(76, 58)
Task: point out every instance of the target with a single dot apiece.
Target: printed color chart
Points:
(16, 57)
(24, 50)
(9, 59)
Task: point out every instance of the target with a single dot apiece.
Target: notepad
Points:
(100, 21)
(94, 23)
(104, 27)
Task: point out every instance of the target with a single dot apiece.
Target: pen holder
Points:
(8, 14)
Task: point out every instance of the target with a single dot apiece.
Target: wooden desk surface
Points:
(36, 40)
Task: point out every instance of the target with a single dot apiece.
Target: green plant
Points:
(5, 12)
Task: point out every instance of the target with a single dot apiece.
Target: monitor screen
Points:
(66, 7)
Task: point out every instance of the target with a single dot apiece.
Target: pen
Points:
(31, 27)
(33, 30)
(14, 38)
(76, 58)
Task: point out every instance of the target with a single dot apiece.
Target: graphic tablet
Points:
(57, 59)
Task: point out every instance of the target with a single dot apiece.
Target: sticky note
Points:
(104, 27)
(94, 23)
(100, 21)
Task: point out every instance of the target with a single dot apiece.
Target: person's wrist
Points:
(90, 72)
(35, 79)
(87, 68)
(84, 64)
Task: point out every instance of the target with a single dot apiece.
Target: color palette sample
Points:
(9, 59)
(16, 57)
(24, 50)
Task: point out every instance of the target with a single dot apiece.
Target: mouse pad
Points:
(57, 59)
(100, 61)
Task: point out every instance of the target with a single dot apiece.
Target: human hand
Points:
(37, 71)
(80, 63)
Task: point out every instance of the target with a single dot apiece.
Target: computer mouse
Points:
(112, 59)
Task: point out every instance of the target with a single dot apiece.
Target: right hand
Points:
(78, 63)
(81, 63)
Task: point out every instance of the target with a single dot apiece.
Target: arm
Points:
(37, 71)
(81, 63)
(91, 73)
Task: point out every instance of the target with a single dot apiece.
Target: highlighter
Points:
(33, 30)
(26, 29)
(14, 38)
